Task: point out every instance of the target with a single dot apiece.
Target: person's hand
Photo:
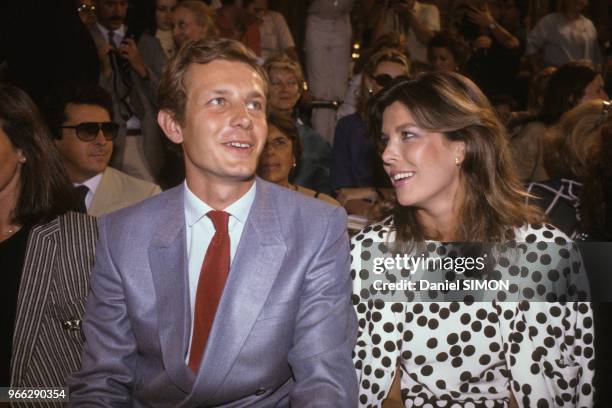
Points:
(103, 55)
(129, 51)
(483, 42)
(479, 17)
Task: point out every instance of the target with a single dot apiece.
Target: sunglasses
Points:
(88, 131)
(385, 79)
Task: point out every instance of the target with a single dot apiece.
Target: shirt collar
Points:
(120, 31)
(195, 208)
(92, 183)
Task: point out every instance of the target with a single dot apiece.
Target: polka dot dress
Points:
(462, 354)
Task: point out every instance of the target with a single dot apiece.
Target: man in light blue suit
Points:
(282, 328)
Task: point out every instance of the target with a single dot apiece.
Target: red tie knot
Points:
(219, 220)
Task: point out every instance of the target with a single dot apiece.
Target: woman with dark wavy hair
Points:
(46, 251)
(446, 155)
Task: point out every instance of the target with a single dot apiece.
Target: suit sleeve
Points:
(326, 326)
(106, 373)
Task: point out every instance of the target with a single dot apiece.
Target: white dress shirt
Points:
(200, 231)
(92, 185)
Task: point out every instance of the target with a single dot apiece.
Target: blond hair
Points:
(203, 16)
(284, 61)
(573, 142)
(172, 95)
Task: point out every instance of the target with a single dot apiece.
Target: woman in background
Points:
(356, 171)
(193, 20)
(156, 44)
(446, 154)
(570, 85)
(571, 146)
(46, 251)
(286, 87)
(446, 53)
(281, 157)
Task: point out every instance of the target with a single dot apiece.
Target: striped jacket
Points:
(48, 340)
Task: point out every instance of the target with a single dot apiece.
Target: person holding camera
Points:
(124, 74)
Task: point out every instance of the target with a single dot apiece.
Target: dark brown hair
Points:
(172, 95)
(494, 199)
(564, 89)
(45, 190)
(288, 127)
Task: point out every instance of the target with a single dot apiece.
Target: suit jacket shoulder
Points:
(118, 190)
(47, 339)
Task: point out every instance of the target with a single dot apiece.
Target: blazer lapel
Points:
(106, 194)
(252, 274)
(167, 257)
(32, 297)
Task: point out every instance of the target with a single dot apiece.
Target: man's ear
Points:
(170, 126)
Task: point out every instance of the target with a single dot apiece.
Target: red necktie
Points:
(210, 286)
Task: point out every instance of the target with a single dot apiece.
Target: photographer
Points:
(130, 82)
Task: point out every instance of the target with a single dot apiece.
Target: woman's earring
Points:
(370, 91)
(457, 162)
(294, 164)
(22, 159)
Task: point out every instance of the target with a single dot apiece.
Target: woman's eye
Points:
(407, 135)
(279, 142)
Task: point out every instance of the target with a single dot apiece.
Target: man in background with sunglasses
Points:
(80, 120)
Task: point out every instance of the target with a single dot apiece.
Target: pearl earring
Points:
(457, 162)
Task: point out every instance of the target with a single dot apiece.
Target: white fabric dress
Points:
(456, 354)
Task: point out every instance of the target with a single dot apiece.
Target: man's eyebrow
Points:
(256, 94)
(252, 94)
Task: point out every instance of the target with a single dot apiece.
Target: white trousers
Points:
(328, 58)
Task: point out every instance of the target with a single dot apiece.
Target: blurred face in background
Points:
(163, 14)
(442, 59)
(87, 12)
(277, 159)
(112, 13)
(594, 90)
(284, 89)
(384, 73)
(186, 27)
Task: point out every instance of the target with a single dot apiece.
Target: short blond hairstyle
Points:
(172, 95)
(203, 14)
(284, 61)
